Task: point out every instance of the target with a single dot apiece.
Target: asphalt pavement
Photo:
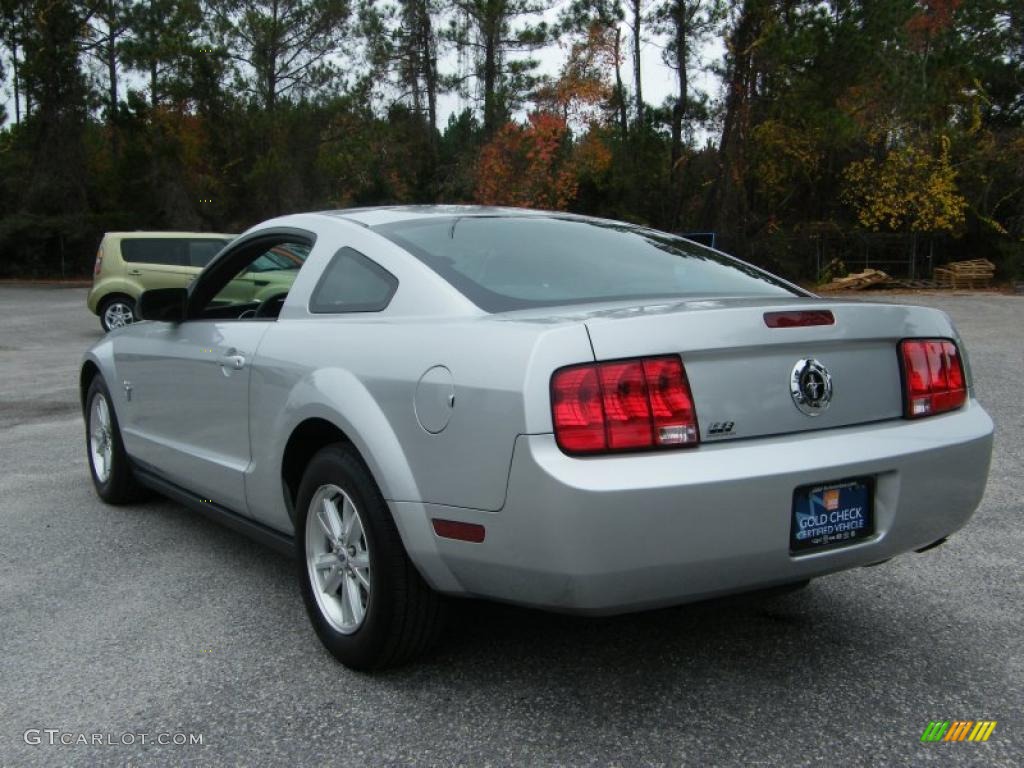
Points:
(132, 625)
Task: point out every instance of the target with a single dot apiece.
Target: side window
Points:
(284, 257)
(154, 250)
(353, 283)
(258, 287)
(200, 252)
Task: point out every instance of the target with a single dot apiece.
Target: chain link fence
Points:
(822, 256)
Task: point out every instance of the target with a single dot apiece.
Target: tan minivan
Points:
(129, 263)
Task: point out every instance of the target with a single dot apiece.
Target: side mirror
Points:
(163, 304)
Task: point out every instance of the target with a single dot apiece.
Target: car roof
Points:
(387, 214)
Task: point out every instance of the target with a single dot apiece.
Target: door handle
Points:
(235, 362)
(135, 272)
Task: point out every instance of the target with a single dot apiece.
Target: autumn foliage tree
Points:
(911, 189)
(582, 91)
(536, 165)
(527, 165)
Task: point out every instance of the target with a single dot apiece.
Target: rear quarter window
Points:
(352, 283)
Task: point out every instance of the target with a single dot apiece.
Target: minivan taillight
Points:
(933, 377)
(623, 405)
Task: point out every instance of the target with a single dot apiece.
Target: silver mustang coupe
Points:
(562, 412)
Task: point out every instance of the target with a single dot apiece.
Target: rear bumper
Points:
(92, 301)
(616, 534)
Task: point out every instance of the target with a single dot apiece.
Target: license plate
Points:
(831, 515)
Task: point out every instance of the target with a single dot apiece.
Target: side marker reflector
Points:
(453, 529)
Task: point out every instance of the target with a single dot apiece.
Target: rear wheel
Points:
(108, 463)
(367, 602)
(117, 312)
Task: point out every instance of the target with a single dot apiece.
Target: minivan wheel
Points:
(108, 463)
(367, 602)
(117, 312)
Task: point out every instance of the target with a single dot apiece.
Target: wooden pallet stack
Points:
(973, 273)
(857, 281)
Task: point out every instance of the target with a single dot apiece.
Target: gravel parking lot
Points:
(150, 620)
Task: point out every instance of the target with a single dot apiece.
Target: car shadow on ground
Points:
(823, 640)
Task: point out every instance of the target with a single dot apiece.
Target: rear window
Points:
(503, 263)
(171, 251)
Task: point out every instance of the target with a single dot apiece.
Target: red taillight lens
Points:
(933, 377)
(623, 405)
(577, 411)
(675, 420)
(99, 263)
(627, 411)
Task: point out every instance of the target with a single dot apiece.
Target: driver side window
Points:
(258, 282)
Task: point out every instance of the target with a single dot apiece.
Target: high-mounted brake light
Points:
(799, 319)
(933, 377)
(623, 405)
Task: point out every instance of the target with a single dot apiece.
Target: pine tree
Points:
(603, 17)
(283, 48)
(162, 41)
(55, 83)
(495, 31)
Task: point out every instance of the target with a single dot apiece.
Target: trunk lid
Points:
(740, 370)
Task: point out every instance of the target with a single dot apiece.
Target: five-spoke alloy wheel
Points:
(367, 602)
(337, 558)
(108, 462)
(101, 441)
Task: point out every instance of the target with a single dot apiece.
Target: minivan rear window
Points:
(171, 251)
(507, 262)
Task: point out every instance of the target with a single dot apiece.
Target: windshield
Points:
(503, 263)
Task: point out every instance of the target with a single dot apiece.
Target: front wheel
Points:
(108, 463)
(367, 602)
(117, 312)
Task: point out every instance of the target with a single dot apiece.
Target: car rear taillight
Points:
(933, 377)
(623, 405)
(99, 263)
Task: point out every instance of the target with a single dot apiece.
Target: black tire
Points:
(403, 616)
(126, 302)
(120, 485)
